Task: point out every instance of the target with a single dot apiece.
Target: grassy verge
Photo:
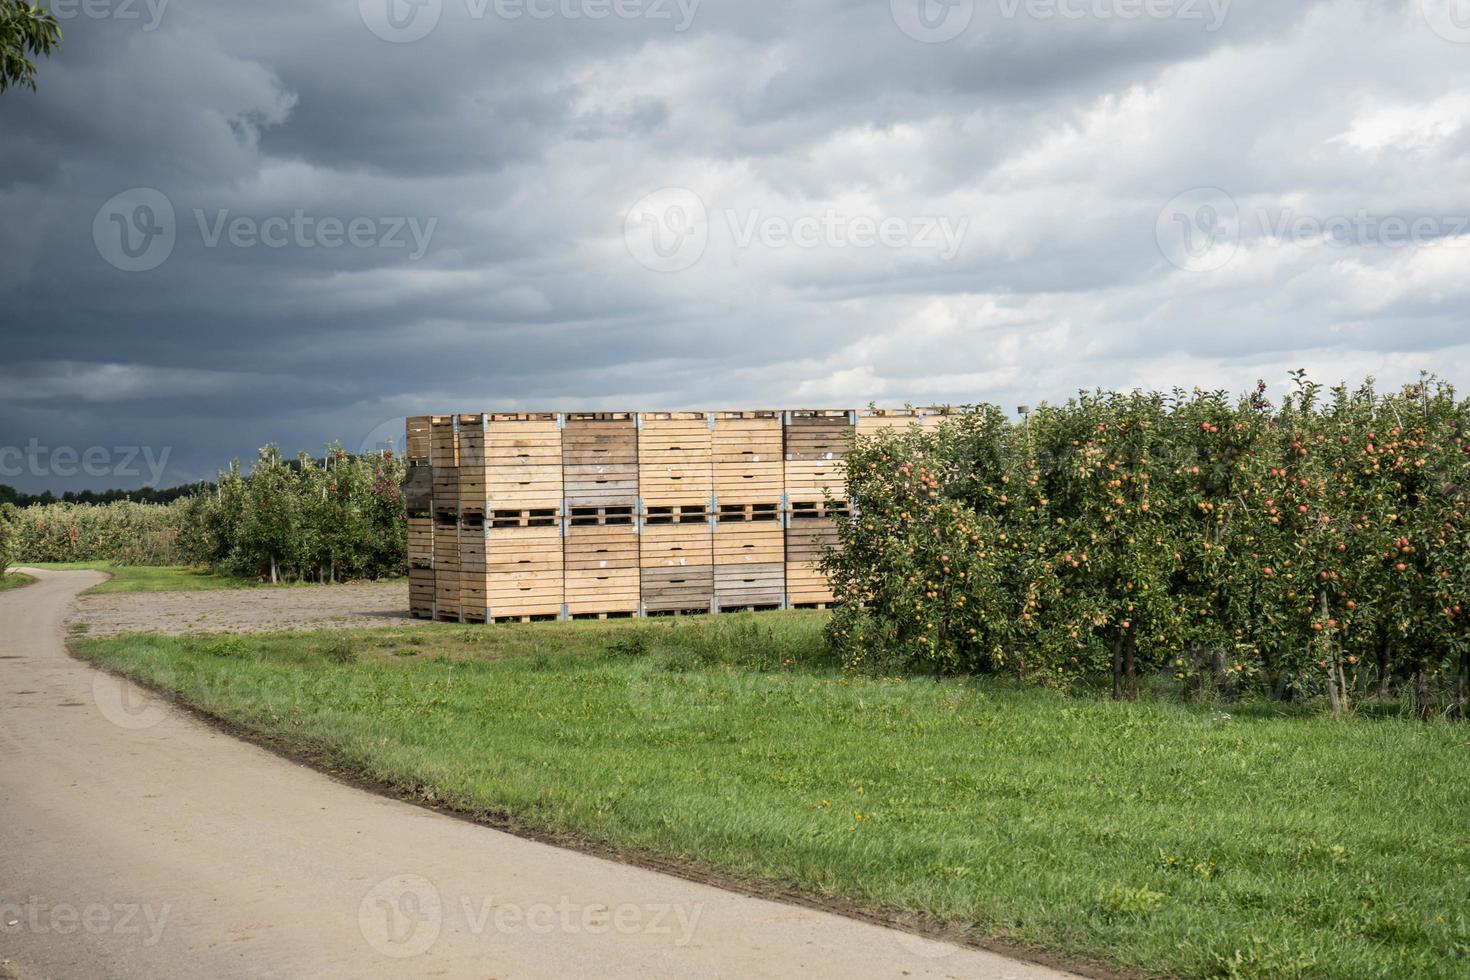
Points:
(14, 580)
(143, 578)
(1156, 837)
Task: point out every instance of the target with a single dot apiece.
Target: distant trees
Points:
(321, 519)
(8, 517)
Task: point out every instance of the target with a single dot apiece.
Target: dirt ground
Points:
(245, 610)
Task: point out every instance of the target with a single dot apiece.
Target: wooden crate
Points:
(676, 536)
(747, 452)
(674, 457)
(678, 589)
(446, 570)
(600, 459)
(418, 488)
(811, 532)
(523, 452)
(471, 469)
(443, 441)
(522, 574)
(873, 420)
(421, 592)
(601, 561)
(420, 540)
(816, 443)
(418, 438)
(750, 552)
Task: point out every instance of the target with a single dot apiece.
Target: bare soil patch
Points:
(245, 610)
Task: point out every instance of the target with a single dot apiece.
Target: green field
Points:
(14, 580)
(145, 578)
(1152, 836)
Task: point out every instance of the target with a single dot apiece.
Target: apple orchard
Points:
(1315, 548)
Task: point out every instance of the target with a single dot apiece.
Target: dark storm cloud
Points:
(490, 166)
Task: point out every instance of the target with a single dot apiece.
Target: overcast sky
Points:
(226, 223)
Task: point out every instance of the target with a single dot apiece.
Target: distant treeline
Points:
(145, 495)
(325, 519)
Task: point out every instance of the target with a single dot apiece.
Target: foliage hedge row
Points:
(338, 517)
(1316, 547)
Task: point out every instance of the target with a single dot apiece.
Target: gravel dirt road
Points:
(136, 841)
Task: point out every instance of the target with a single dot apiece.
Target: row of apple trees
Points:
(1315, 547)
(317, 519)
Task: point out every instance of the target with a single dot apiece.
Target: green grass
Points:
(14, 580)
(1154, 836)
(144, 578)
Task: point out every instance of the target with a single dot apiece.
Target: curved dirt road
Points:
(135, 841)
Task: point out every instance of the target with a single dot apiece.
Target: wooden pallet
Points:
(674, 457)
(418, 439)
(601, 562)
(621, 516)
(600, 459)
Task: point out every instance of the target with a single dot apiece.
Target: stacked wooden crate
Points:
(599, 454)
(817, 441)
(747, 450)
(675, 487)
(510, 487)
(517, 516)
(418, 497)
(444, 461)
